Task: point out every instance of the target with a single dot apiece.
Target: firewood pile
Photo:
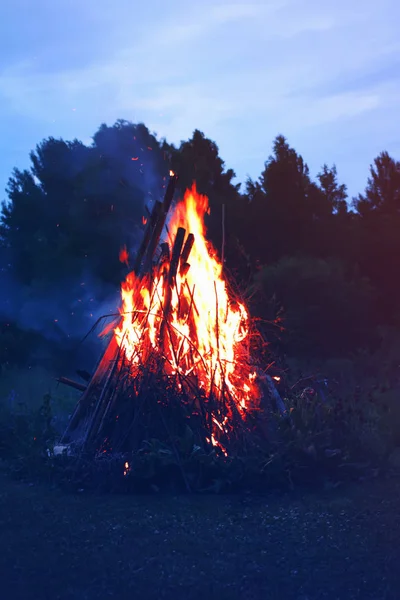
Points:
(178, 364)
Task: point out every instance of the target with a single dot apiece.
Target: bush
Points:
(327, 428)
(320, 440)
(326, 311)
(27, 438)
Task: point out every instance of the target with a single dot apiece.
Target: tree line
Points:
(320, 269)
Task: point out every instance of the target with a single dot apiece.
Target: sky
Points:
(326, 74)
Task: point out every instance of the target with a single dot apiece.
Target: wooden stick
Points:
(176, 252)
(74, 384)
(154, 228)
(101, 404)
(184, 269)
(146, 238)
(193, 303)
(173, 267)
(169, 192)
(84, 406)
(154, 238)
(187, 248)
(216, 318)
(223, 236)
(165, 253)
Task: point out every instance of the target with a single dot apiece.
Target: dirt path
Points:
(339, 545)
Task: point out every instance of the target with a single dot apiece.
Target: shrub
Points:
(27, 438)
(327, 312)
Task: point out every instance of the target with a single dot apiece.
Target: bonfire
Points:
(178, 365)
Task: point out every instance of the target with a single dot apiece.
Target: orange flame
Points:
(206, 332)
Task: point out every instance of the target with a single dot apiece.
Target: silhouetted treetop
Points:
(70, 212)
(382, 193)
(334, 192)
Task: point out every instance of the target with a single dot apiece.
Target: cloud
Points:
(258, 68)
(158, 69)
(316, 112)
(226, 13)
(187, 27)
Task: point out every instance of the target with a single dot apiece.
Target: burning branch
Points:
(179, 356)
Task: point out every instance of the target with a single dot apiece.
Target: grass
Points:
(22, 390)
(337, 544)
(340, 544)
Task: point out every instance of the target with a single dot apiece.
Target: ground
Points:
(340, 544)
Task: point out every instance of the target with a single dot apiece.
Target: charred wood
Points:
(71, 383)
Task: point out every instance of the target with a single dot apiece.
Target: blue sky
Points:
(324, 73)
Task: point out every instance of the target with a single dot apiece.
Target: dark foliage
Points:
(322, 440)
(321, 278)
(325, 310)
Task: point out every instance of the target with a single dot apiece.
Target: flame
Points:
(197, 327)
(171, 173)
(124, 256)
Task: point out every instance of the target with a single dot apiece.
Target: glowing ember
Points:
(188, 318)
(124, 256)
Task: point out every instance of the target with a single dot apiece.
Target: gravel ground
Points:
(339, 544)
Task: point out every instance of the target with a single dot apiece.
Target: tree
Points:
(65, 221)
(285, 206)
(198, 160)
(77, 205)
(21, 225)
(338, 232)
(379, 222)
(335, 194)
(326, 310)
(382, 194)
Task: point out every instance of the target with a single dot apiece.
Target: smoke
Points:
(135, 157)
(60, 316)
(61, 313)
(58, 312)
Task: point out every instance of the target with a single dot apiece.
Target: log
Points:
(101, 405)
(165, 254)
(184, 269)
(187, 248)
(84, 374)
(169, 284)
(169, 192)
(159, 216)
(146, 238)
(84, 406)
(277, 403)
(176, 252)
(152, 241)
(74, 384)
